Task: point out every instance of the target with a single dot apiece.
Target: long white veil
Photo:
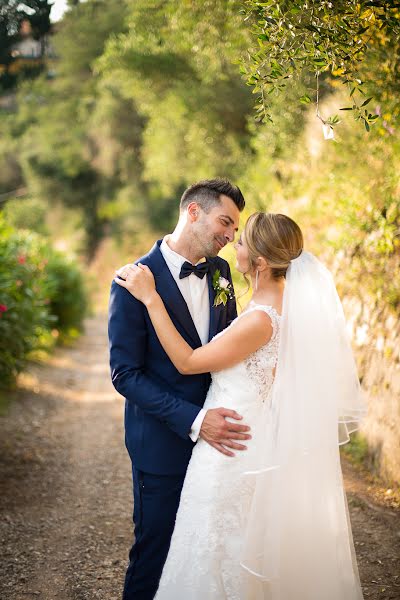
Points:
(298, 541)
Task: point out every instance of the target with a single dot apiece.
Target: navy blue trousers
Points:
(156, 500)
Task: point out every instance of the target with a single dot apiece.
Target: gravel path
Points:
(65, 493)
(65, 489)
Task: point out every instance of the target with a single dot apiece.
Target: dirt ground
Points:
(65, 488)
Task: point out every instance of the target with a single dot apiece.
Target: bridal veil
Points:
(298, 542)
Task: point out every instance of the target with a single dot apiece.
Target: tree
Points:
(322, 37)
(83, 33)
(58, 153)
(176, 63)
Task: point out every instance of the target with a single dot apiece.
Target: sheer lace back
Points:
(260, 365)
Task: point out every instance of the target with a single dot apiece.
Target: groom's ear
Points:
(193, 211)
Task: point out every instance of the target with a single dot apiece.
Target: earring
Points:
(257, 279)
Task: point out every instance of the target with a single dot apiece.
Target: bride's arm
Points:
(241, 340)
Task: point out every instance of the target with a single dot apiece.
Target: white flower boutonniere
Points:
(222, 288)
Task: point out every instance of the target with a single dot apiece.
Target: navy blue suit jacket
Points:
(161, 404)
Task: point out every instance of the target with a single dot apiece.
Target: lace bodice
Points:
(259, 366)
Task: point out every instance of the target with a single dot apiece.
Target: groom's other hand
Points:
(220, 433)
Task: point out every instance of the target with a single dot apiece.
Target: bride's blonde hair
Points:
(275, 237)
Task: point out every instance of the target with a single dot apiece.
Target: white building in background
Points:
(29, 48)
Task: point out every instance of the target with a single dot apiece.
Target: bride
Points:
(271, 523)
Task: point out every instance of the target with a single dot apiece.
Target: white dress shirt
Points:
(195, 293)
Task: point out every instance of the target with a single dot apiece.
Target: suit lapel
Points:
(170, 293)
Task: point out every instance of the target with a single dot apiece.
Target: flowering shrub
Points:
(68, 301)
(41, 293)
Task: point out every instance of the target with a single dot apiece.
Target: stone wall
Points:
(376, 340)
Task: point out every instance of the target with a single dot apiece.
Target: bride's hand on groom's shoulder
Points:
(138, 280)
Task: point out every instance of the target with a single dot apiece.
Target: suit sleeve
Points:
(231, 304)
(128, 336)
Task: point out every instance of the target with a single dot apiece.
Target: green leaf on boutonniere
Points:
(215, 278)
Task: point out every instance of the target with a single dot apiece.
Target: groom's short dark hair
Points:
(207, 194)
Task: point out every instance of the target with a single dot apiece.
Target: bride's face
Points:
(242, 255)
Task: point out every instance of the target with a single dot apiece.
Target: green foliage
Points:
(175, 64)
(320, 37)
(42, 295)
(50, 137)
(26, 213)
(344, 195)
(24, 299)
(86, 26)
(359, 453)
(68, 300)
(146, 100)
(357, 449)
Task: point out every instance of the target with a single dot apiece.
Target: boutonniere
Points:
(222, 288)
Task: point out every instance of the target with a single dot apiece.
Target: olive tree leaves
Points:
(316, 36)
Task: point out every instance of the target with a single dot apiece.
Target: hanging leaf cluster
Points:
(296, 36)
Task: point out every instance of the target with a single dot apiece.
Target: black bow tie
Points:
(200, 270)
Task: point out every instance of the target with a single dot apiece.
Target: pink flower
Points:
(22, 259)
(3, 308)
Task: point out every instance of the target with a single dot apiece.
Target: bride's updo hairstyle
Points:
(275, 237)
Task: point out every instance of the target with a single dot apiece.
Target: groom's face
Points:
(215, 229)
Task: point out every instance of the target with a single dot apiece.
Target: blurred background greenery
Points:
(125, 103)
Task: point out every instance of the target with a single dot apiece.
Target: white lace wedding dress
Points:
(204, 558)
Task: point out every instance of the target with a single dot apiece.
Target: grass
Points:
(358, 451)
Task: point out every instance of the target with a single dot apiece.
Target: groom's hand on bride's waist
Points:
(222, 434)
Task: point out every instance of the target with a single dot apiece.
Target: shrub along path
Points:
(65, 491)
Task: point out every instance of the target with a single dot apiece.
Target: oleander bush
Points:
(41, 297)
(68, 301)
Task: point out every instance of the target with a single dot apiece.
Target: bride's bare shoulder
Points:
(253, 323)
(245, 335)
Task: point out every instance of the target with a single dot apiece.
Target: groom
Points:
(163, 409)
